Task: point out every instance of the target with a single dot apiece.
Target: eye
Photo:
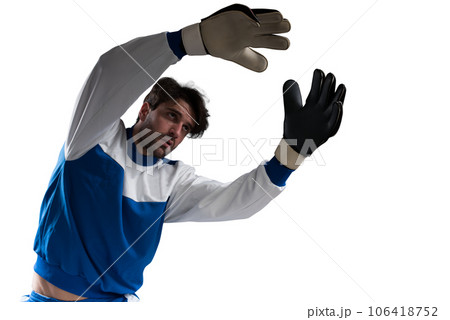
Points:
(172, 115)
(186, 128)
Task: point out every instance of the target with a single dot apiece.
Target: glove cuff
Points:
(192, 40)
(287, 156)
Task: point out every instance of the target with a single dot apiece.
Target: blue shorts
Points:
(36, 297)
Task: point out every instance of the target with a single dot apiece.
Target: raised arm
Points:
(122, 74)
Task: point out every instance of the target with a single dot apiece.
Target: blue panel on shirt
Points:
(86, 224)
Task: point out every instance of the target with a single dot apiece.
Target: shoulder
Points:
(177, 169)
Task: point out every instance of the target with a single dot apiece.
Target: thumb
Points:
(251, 60)
(292, 97)
(336, 117)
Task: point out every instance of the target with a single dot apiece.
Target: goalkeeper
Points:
(113, 188)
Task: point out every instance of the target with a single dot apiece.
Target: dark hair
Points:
(168, 89)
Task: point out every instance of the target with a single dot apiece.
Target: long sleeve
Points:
(197, 198)
(120, 76)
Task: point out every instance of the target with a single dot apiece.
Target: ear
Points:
(145, 110)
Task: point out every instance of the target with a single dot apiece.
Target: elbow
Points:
(108, 58)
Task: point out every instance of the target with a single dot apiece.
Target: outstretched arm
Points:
(306, 127)
(196, 198)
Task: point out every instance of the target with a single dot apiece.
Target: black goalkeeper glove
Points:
(308, 127)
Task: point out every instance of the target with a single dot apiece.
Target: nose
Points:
(175, 130)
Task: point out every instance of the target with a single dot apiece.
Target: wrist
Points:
(277, 172)
(192, 40)
(287, 156)
(176, 43)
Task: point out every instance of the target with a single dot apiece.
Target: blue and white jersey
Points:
(102, 216)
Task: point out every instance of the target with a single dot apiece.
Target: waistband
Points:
(36, 297)
(73, 284)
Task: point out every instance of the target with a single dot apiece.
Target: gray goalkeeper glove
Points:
(230, 32)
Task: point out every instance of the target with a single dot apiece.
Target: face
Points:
(161, 130)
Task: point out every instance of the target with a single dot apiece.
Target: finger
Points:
(292, 97)
(273, 28)
(327, 90)
(268, 15)
(340, 94)
(251, 59)
(270, 42)
(316, 86)
(336, 118)
(235, 7)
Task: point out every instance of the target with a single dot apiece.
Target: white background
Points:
(364, 223)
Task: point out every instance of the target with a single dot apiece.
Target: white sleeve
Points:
(197, 198)
(120, 76)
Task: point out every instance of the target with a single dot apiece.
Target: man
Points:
(102, 215)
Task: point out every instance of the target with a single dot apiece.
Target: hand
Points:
(312, 125)
(230, 32)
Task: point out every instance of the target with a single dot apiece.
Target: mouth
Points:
(168, 144)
